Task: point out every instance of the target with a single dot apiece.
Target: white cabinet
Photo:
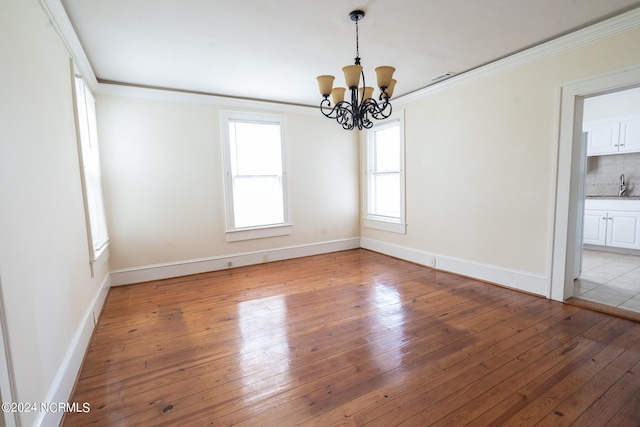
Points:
(614, 223)
(630, 135)
(623, 229)
(602, 137)
(595, 227)
(613, 136)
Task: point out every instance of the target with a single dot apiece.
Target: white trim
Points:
(176, 269)
(505, 277)
(394, 227)
(258, 233)
(575, 39)
(202, 98)
(101, 258)
(7, 384)
(397, 251)
(62, 385)
(568, 161)
(60, 21)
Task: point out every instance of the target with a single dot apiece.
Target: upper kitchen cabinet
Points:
(613, 136)
(602, 137)
(630, 135)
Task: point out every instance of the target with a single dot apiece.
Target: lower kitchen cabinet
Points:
(609, 227)
(595, 227)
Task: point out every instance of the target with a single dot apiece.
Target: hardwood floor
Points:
(353, 338)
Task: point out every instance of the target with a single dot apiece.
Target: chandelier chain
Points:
(357, 44)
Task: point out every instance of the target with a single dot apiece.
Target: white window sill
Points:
(392, 226)
(259, 233)
(101, 257)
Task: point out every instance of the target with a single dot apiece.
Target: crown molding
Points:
(163, 94)
(60, 21)
(572, 40)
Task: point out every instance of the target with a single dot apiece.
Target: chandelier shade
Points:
(392, 85)
(360, 107)
(352, 75)
(325, 83)
(384, 75)
(368, 92)
(337, 94)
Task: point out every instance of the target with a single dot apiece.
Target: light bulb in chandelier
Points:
(360, 107)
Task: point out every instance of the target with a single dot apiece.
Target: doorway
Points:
(567, 238)
(610, 272)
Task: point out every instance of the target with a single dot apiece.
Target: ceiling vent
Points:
(442, 76)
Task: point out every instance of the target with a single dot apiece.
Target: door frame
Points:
(7, 385)
(568, 206)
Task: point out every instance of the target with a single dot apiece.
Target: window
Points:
(255, 175)
(384, 157)
(90, 169)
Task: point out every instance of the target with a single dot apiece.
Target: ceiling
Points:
(273, 50)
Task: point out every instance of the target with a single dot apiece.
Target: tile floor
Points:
(610, 278)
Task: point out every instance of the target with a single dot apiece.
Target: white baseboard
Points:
(164, 271)
(62, 386)
(612, 249)
(510, 278)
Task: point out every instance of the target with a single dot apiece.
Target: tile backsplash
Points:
(603, 174)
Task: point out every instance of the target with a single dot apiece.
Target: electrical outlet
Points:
(265, 257)
(433, 262)
(229, 264)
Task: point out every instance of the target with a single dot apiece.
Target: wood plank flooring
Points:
(353, 338)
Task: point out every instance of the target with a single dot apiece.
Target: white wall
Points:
(164, 195)
(611, 105)
(481, 163)
(44, 258)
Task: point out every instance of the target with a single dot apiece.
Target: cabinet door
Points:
(630, 136)
(595, 227)
(603, 138)
(623, 229)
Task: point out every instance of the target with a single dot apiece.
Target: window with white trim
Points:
(384, 169)
(90, 169)
(255, 175)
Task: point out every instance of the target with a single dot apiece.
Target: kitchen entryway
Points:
(609, 278)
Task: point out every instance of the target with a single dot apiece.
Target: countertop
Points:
(612, 198)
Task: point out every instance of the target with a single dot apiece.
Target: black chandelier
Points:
(362, 108)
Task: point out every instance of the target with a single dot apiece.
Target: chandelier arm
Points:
(345, 118)
(327, 110)
(342, 112)
(377, 111)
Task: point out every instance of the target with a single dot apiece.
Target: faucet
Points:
(623, 186)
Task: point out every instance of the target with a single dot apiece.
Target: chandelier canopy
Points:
(361, 108)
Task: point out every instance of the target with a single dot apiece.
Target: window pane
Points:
(257, 201)
(257, 148)
(87, 123)
(255, 171)
(385, 195)
(387, 149)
